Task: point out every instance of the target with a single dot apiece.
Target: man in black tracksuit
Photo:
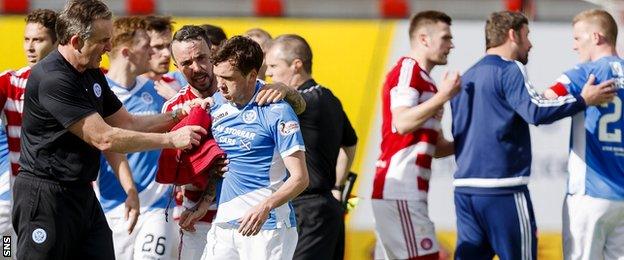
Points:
(330, 146)
(70, 116)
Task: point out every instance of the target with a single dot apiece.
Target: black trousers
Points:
(320, 224)
(59, 221)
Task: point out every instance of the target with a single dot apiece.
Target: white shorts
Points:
(226, 243)
(192, 244)
(152, 237)
(403, 229)
(593, 228)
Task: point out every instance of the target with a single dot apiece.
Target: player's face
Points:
(233, 85)
(160, 42)
(37, 42)
(140, 52)
(191, 58)
(524, 45)
(277, 68)
(98, 44)
(440, 43)
(582, 40)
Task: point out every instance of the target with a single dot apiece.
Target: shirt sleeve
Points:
(574, 80)
(5, 85)
(65, 100)
(404, 94)
(349, 137)
(530, 105)
(110, 100)
(286, 129)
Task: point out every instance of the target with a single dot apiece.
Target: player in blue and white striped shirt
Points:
(255, 219)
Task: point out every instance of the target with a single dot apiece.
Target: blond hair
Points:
(603, 20)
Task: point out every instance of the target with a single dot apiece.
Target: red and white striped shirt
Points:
(190, 197)
(404, 166)
(12, 88)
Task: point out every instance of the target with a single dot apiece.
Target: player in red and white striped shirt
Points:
(39, 40)
(411, 137)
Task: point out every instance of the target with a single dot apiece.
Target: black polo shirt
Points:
(57, 96)
(325, 128)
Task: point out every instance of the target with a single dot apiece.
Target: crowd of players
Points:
(129, 107)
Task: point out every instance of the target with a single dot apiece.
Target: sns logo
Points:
(288, 128)
(97, 89)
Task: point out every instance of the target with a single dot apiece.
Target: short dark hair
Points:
(243, 53)
(426, 18)
(295, 47)
(499, 23)
(159, 23)
(214, 34)
(47, 19)
(77, 19)
(189, 33)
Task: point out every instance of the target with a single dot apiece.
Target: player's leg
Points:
(614, 246)
(584, 232)
(319, 225)
(221, 244)
(192, 244)
(404, 230)
(157, 238)
(275, 244)
(510, 224)
(98, 242)
(471, 236)
(122, 241)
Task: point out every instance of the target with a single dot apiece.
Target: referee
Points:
(330, 146)
(70, 116)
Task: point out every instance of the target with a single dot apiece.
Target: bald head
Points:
(291, 47)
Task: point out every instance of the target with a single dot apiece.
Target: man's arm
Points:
(158, 123)
(252, 221)
(272, 93)
(95, 131)
(407, 119)
(592, 94)
(121, 168)
(536, 109)
(346, 155)
(444, 147)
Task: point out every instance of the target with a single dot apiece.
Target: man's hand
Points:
(220, 166)
(164, 90)
(337, 194)
(204, 103)
(272, 93)
(186, 137)
(597, 94)
(189, 217)
(450, 85)
(133, 209)
(252, 221)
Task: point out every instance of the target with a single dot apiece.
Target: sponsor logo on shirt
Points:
(147, 98)
(97, 89)
(249, 116)
(288, 128)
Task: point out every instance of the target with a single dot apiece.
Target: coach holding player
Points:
(70, 116)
